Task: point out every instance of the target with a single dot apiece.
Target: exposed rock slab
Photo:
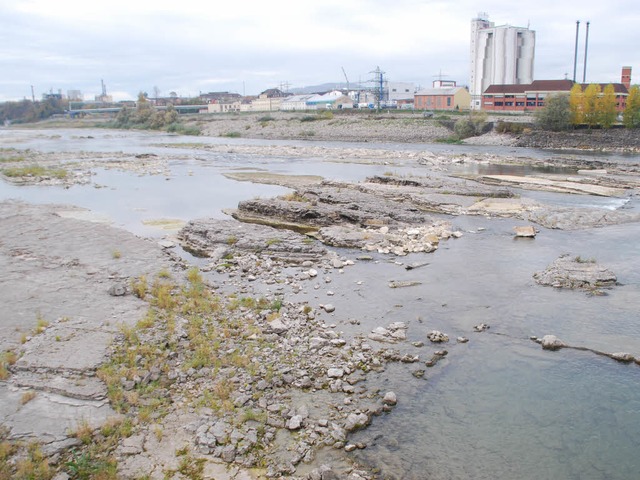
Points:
(57, 272)
(564, 185)
(219, 238)
(576, 273)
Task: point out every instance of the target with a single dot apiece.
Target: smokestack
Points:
(575, 55)
(586, 46)
(626, 77)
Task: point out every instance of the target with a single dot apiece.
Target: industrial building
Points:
(500, 55)
(445, 95)
(531, 97)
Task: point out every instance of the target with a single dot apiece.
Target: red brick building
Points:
(530, 97)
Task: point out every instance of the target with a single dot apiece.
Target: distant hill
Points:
(325, 87)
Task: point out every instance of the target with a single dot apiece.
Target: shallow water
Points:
(497, 407)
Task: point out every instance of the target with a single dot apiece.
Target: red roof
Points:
(545, 86)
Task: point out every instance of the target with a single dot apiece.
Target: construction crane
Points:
(345, 77)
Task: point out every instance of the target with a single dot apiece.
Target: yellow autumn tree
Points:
(590, 106)
(606, 107)
(632, 110)
(576, 104)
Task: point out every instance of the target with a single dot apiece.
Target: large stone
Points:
(526, 231)
(390, 398)
(295, 422)
(551, 342)
(355, 421)
(576, 273)
(437, 337)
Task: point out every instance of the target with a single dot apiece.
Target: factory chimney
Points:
(626, 77)
(586, 46)
(575, 55)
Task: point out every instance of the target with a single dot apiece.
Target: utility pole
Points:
(586, 45)
(379, 85)
(33, 95)
(575, 55)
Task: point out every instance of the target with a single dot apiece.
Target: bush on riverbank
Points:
(147, 117)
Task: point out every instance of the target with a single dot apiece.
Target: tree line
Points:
(592, 106)
(26, 111)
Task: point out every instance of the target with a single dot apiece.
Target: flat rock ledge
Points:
(349, 215)
(218, 239)
(574, 272)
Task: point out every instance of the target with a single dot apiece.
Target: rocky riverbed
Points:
(217, 372)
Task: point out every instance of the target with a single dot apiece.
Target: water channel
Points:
(498, 407)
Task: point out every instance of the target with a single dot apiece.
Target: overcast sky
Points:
(247, 46)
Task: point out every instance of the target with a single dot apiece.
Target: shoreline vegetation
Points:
(223, 382)
(389, 126)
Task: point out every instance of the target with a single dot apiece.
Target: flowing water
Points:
(498, 407)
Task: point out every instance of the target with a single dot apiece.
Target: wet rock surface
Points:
(574, 272)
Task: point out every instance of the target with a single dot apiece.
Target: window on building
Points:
(508, 104)
(519, 104)
(448, 101)
(498, 104)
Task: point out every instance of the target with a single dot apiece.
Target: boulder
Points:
(295, 422)
(525, 232)
(355, 421)
(437, 337)
(551, 342)
(622, 357)
(390, 398)
(575, 273)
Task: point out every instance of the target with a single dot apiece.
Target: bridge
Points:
(179, 108)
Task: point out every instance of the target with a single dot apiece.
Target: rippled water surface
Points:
(496, 407)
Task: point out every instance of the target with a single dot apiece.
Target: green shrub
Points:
(36, 171)
(472, 125)
(182, 129)
(556, 114)
(509, 127)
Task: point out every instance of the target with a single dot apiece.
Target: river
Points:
(496, 407)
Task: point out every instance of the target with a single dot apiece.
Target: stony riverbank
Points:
(620, 140)
(219, 372)
(408, 128)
